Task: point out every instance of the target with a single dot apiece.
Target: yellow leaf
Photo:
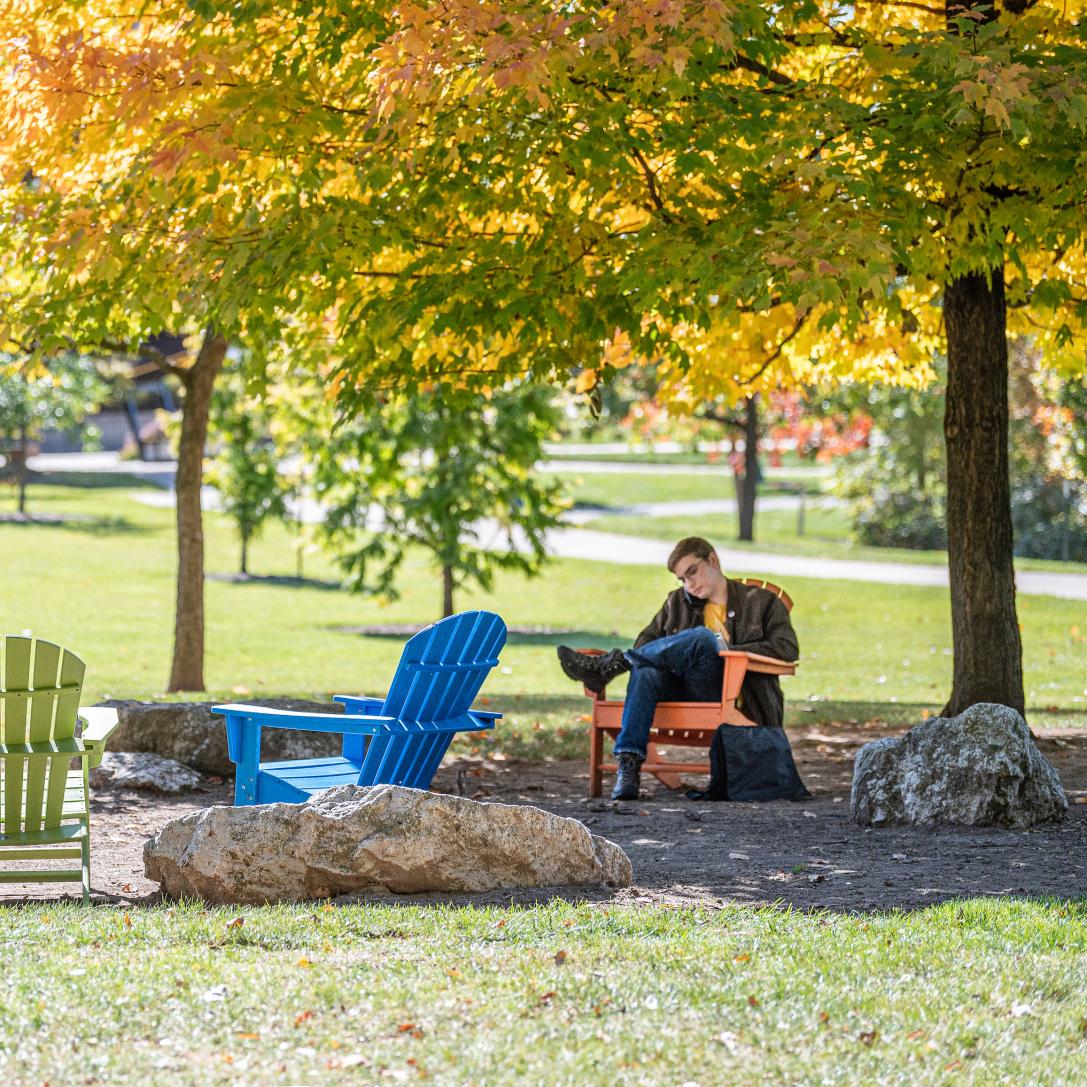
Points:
(586, 381)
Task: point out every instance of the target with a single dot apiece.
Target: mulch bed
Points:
(807, 855)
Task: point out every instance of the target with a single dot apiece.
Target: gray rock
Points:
(379, 839)
(981, 768)
(142, 770)
(191, 734)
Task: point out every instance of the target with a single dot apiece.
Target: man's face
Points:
(698, 576)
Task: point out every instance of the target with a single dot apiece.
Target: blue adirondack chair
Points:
(398, 740)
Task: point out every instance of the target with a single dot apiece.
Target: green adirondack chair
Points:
(44, 794)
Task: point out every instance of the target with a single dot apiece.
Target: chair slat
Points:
(14, 772)
(44, 699)
(17, 653)
(55, 790)
(72, 671)
(36, 771)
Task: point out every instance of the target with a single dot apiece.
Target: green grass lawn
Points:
(611, 489)
(982, 992)
(105, 587)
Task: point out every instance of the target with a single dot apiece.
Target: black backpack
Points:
(752, 764)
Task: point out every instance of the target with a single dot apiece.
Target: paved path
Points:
(620, 467)
(702, 507)
(583, 543)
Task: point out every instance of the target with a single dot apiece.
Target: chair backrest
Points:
(40, 684)
(443, 667)
(769, 586)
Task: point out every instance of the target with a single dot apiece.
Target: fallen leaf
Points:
(560, 958)
(914, 1035)
(824, 1017)
(248, 1035)
(303, 1017)
(405, 1027)
(236, 922)
(867, 1037)
(753, 1001)
(548, 997)
(741, 958)
(304, 962)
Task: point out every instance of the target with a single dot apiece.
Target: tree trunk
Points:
(187, 670)
(245, 554)
(447, 591)
(749, 483)
(21, 466)
(988, 661)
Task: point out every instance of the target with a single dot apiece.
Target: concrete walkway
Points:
(583, 543)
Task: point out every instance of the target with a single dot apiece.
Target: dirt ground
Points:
(808, 854)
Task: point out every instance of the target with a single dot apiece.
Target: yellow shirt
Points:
(714, 618)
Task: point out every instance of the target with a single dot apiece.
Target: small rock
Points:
(141, 770)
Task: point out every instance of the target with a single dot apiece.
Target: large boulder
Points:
(981, 768)
(190, 733)
(384, 838)
(144, 771)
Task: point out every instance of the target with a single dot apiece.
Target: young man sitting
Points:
(676, 658)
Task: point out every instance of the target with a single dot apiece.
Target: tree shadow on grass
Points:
(75, 522)
(516, 635)
(908, 714)
(92, 481)
(278, 581)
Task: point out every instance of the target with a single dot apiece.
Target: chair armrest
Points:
(357, 724)
(99, 723)
(359, 703)
(756, 662)
(486, 715)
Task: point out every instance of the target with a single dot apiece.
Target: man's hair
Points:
(692, 545)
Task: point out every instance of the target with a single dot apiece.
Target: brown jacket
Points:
(756, 621)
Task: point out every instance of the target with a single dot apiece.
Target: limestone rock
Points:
(141, 770)
(191, 734)
(383, 838)
(981, 768)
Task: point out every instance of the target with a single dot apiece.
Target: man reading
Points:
(676, 658)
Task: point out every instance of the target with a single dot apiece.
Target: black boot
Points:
(628, 782)
(596, 672)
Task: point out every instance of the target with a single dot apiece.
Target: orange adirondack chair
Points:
(682, 724)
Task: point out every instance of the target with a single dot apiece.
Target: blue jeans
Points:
(683, 667)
